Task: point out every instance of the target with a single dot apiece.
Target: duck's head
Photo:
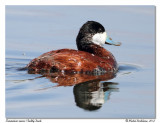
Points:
(93, 32)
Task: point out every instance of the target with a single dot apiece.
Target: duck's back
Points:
(69, 60)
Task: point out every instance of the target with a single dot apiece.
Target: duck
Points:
(90, 58)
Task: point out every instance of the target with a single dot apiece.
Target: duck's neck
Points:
(94, 49)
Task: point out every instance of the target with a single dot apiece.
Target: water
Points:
(33, 30)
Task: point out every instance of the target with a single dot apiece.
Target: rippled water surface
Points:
(33, 30)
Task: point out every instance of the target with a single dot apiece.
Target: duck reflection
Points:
(92, 95)
(90, 91)
(72, 79)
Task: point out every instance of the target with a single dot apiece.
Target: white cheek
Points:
(99, 38)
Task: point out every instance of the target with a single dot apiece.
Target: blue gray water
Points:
(33, 30)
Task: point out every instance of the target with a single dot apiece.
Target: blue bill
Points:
(109, 41)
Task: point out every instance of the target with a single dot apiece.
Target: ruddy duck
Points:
(90, 57)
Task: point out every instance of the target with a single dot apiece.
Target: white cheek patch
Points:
(99, 38)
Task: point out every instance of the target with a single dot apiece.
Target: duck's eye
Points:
(100, 29)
